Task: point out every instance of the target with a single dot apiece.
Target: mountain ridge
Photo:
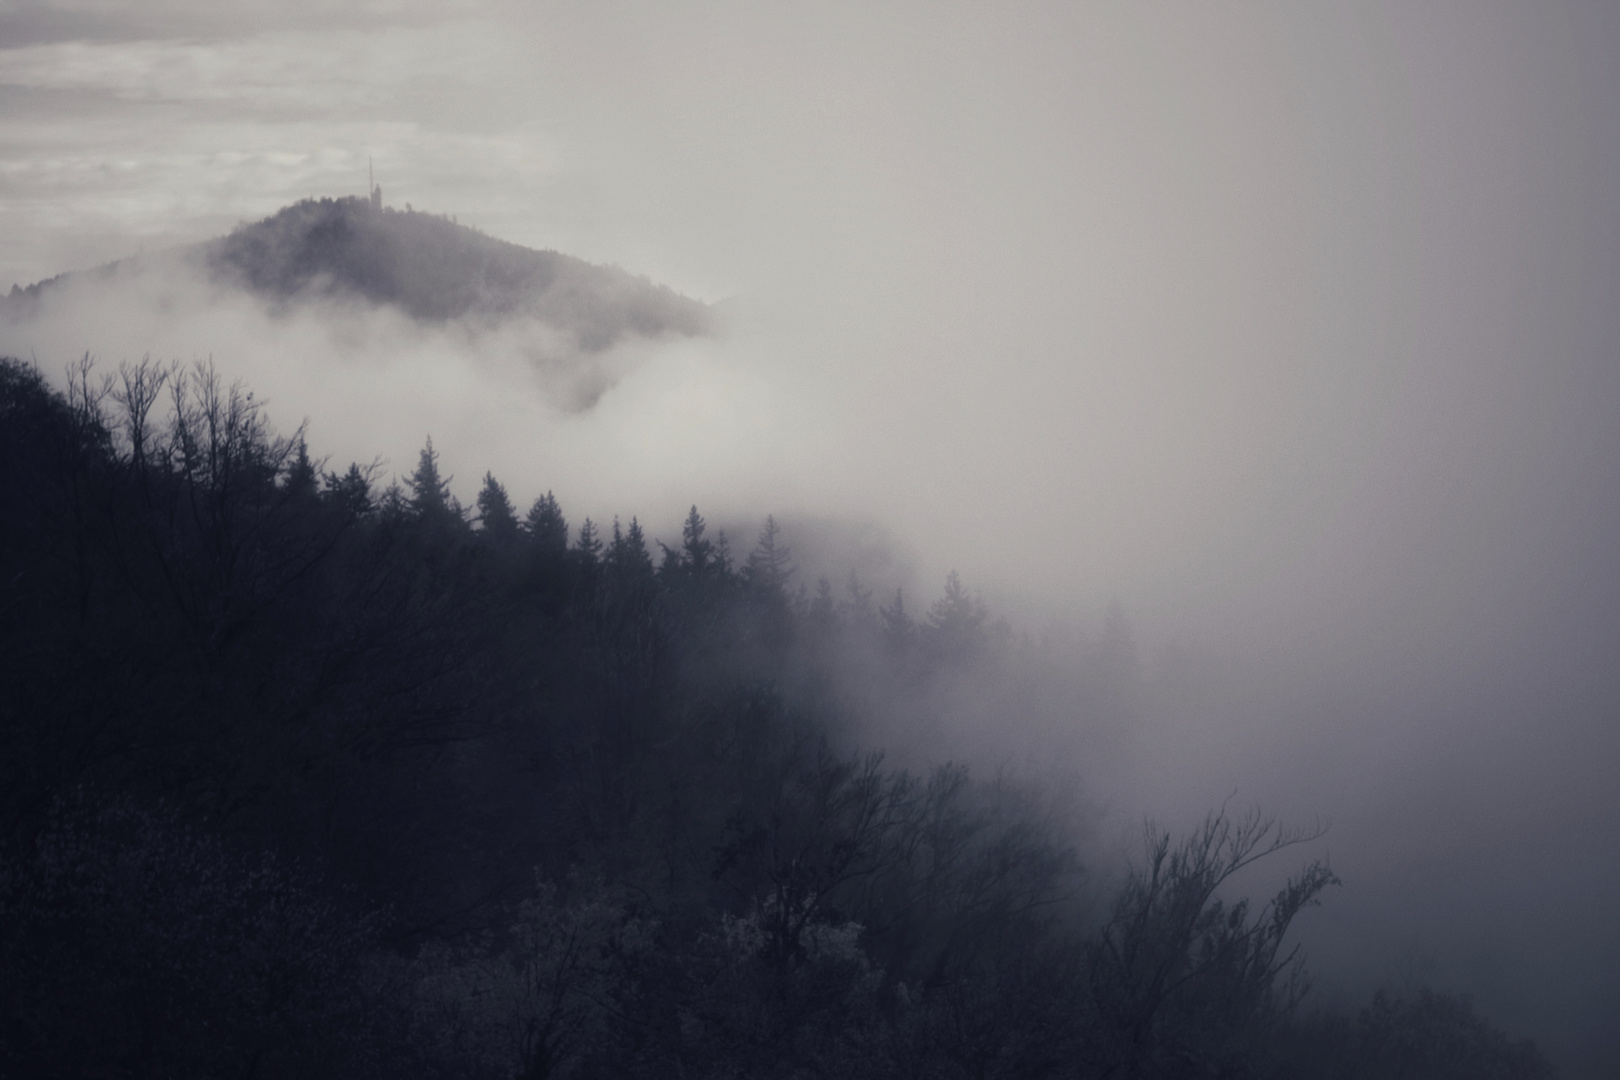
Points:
(424, 265)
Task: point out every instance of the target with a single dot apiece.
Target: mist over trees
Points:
(301, 775)
(576, 327)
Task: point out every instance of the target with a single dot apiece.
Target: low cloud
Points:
(547, 400)
(367, 279)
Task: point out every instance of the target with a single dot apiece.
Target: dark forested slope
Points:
(302, 778)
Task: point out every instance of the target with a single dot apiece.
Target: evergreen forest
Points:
(305, 775)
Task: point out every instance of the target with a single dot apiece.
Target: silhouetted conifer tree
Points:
(589, 546)
(627, 555)
(695, 557)
(898, 627)
(495, 512)
(956, 620)
(770, 564)
(547, 527)
(823, 608)
(301, 473)
(430, 494)
(351, 491)
(722, 555)
(697, 552)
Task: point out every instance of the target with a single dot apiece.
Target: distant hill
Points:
(424, 265)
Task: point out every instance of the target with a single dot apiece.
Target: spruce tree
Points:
(956, 621)
(589, 546)
(495, 512)
(956, 611)
(301, 473)
(547, 527)
(430, 495)
(898, 626)
(697, 554)
(627, 554)
(770, 565)
(695, 558)
(823, 608)
(351, 491)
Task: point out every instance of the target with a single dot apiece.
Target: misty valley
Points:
(305, 774)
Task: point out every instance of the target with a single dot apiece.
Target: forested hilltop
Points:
(425, 265)
(301, 776)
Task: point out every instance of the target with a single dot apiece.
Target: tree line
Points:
(304, 775)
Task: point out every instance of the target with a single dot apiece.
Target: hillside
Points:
(426, 266)
(304, 779)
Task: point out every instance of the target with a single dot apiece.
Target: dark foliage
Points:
(298, 779)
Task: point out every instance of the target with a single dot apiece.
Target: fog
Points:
(1293, 331)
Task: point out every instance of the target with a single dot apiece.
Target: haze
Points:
(1294, 331)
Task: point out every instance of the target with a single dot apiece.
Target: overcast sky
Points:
(1296, 328)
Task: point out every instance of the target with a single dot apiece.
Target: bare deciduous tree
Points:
(1179, 979)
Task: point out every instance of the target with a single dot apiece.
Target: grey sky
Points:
(1294, 327)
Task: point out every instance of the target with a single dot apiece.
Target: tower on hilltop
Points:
(371, 179)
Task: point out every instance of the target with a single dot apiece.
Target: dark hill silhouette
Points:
(426, 266)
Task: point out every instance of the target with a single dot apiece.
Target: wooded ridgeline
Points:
(300, 777)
